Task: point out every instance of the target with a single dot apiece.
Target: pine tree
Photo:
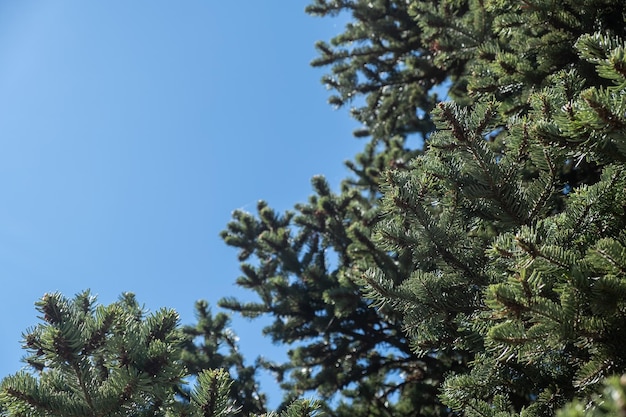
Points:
(305, 265)
(513, 217)
(342, 346)
(480, 275)
(380, 59)
(103, 361)
(611, 401)
(501, 244)
(211, 344)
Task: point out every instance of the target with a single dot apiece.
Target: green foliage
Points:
(306, 265)
(341, 343)
(92, 360)
(209, 398)
(610, 402)
(89, 360)
(536, 125)
(211, 344)
(514, 216)
(479, 273)
(380, 60)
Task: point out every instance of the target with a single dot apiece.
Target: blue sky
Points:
(130, 131)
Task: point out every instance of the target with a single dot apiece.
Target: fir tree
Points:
(514, 215)
(305, 264)
(611, 401)
(499, 244)
(342, 345)
(481, 275)
(211, 344)
(380, 59)
(103, 361)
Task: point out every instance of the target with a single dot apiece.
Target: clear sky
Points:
(129, 132)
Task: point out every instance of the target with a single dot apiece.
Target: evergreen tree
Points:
(341, 345)
(211, 344)
(500, 245)
(513, 217)
(117, 360)
(305, 264)
(380, 58)
(481, 275)
(611, 401)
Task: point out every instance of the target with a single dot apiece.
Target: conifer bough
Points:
(480, 272)
(89, 360)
